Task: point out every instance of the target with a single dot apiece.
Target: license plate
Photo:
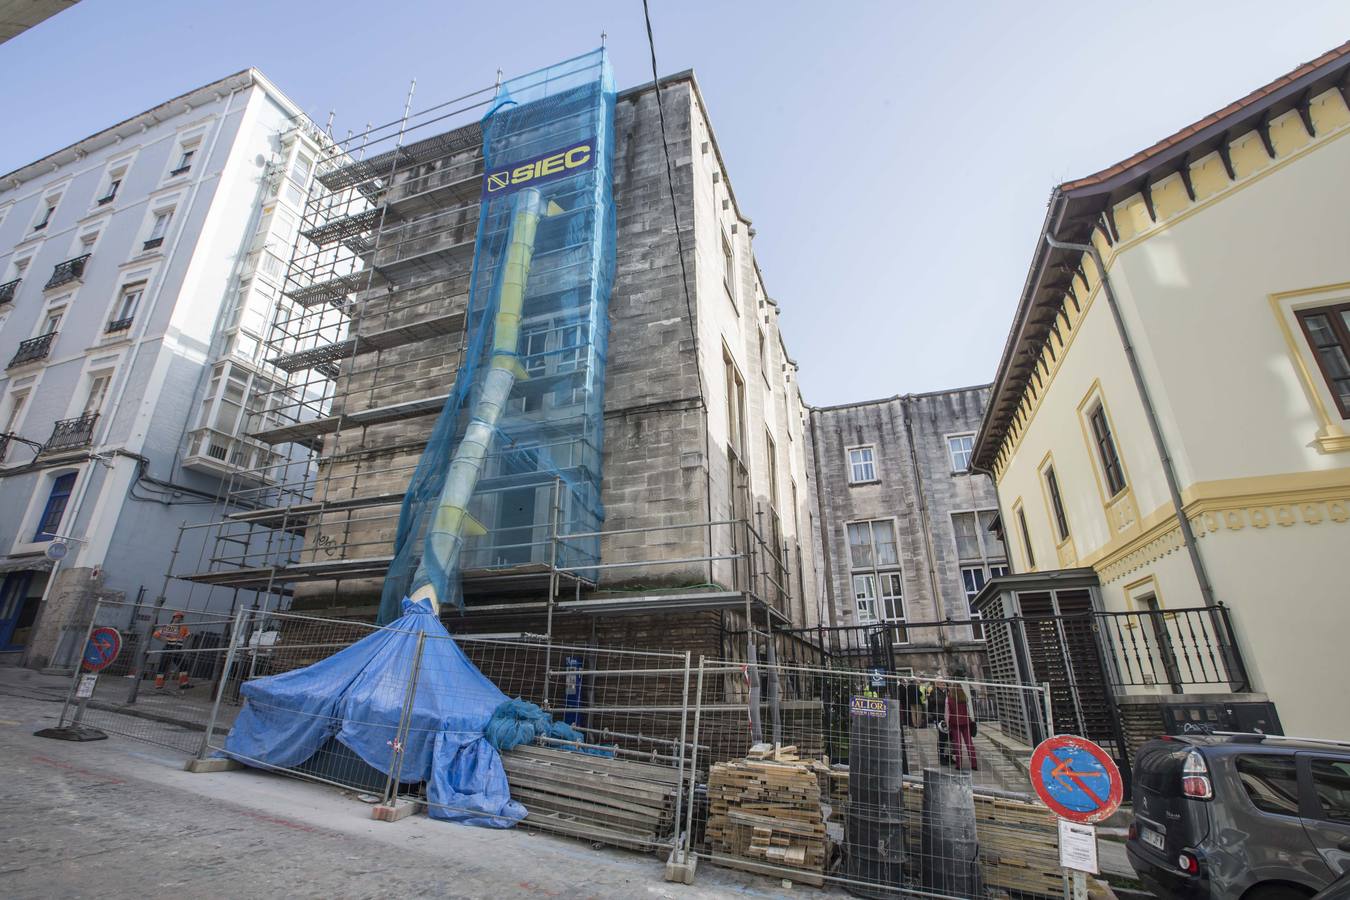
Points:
(1152, 838)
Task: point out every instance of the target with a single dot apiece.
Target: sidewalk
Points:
(119, 818)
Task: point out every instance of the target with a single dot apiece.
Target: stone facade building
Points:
(904, 523)
(708, 513)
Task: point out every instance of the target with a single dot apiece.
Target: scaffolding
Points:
(371, 331)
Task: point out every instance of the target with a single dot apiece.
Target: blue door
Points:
(13, 603)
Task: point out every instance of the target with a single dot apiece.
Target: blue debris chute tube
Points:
(527, 410)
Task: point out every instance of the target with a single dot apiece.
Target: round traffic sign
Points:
(104, 644)
(1077, 779)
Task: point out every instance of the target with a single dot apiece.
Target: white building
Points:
(1170, 426)
(139, 271)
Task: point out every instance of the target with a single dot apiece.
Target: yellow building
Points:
(1182, 342)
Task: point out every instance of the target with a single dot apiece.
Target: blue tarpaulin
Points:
(357, 695)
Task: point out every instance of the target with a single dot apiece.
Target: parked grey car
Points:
(1240, 817)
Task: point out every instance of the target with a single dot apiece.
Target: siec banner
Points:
(536, 170)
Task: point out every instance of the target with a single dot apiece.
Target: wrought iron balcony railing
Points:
(7, 291)
(181, 170)
(33, 348)
(68, 271)
(152, 243)
(71, 434)
(117, 325)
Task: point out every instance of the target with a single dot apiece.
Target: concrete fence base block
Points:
(681, 871)
(214, 764)
(400, 809)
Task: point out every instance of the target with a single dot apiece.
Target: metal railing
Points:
(32, 349)
(7, 290)
(71, 434)
(117, 325)
(68, 271)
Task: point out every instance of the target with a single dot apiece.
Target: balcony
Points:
(33, 349)
(153, 243)
(181, 170)
(118, 325)
(7, 291)
(66, 272)
(71, 434)
(225, 454)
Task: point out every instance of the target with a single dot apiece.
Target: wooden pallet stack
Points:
(616, 802)
(765, 816)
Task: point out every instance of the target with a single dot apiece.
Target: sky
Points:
(895, 158)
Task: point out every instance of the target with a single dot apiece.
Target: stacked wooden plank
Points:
(616, 802)
(765, 816)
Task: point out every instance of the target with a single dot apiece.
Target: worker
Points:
(173, 635)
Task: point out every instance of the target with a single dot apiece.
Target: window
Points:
(48, 209)
(887, 606)
(959, 447)
(764, 357)
(735, 405)
(862, 465)
(728, 268)
(1026, 537)
(1331, 785)
(973, 579)
(975, 538)
(17, 401)
(115, 177)
(871, 545)
(49, 523)
(53, 321)
(300, 169)
(184, 161)
(771, 452)
(1271, 783)
(1106, 450)
(125, 309)
(1057, 503)
(159, 229)
(1327, 329)
(98, 391)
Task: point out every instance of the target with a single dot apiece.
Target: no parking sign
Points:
(1077, 779)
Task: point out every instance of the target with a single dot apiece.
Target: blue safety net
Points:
(357, 697)
(517, 447)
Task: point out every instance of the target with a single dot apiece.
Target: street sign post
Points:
(1081, 784)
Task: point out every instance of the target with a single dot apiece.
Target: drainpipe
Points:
(923, 519)
(1159, 442)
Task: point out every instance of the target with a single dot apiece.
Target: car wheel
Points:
(1276, 892)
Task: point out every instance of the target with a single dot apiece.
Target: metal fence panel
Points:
(879, 783)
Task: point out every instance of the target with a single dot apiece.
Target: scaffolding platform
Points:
(334, 291)
(358, 344)
(307, 432)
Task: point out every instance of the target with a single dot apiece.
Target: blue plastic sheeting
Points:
(519, 722)
(357, 695)
(552, 131)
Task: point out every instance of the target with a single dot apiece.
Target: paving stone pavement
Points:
(119, 818)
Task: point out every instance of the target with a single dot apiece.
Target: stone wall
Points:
(917, 488)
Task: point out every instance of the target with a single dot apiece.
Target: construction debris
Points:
(765, 814)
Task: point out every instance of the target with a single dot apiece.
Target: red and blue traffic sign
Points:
(104, 644)
(1077, 779)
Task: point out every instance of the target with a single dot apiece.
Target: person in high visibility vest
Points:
(174, 635)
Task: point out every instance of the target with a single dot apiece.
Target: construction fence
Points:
(870, 781)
